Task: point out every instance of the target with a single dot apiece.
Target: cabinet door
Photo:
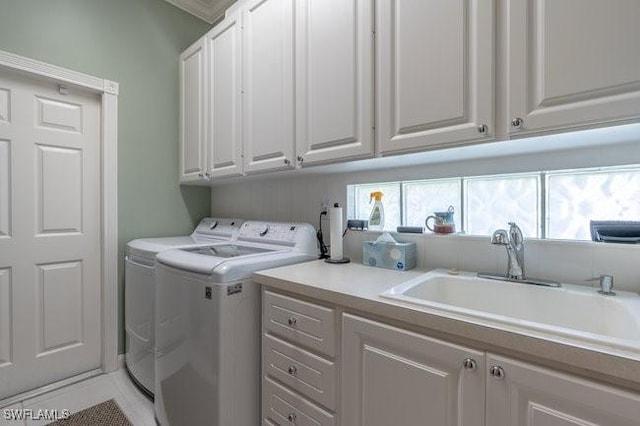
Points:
(268, 85)
(395, 377)
(334, 80)
(224, 47)
(192, 112)
(435, 66)
(572, 63)
(532, 396)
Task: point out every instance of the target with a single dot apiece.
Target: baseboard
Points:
(49, 388)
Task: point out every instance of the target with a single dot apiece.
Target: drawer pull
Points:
(292, 321)
(292, 370)
(292, 417)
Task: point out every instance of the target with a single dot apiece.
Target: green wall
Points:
(136, 43)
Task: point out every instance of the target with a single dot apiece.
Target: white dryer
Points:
(208, 324)
(140, 291)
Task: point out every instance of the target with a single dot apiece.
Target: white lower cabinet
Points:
(298, 365)
(382, 375)
(396, 377)
(520, 394)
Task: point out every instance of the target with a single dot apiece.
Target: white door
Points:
(224, 65)
(526, 395)
(192, 112)
(435, 73)
(49, 233)
(572, 63)
(268, 85)
(396, 377)
(334, 80)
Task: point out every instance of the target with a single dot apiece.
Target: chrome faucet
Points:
(514, 243)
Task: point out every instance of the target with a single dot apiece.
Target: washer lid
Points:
(149, 247)
(188, 261)
(227, 250)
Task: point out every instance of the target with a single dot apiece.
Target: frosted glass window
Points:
(422, 198)
(573, 199)
(493, 202)
(390, 201)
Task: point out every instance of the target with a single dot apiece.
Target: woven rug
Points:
(104, 414)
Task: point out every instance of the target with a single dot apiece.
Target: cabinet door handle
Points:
(292, 370)
(497, 372)
(292, 321)
(292, 417)
(470, 364)
(483, 128)
(517, 122)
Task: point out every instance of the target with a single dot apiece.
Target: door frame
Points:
(108, 91)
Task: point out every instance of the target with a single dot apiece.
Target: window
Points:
(421, 198)
(553, 204)
(575, 198)
(362, 204)
(494, 201)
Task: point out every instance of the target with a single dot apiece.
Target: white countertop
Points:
(356, 288)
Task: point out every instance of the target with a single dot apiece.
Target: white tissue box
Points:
(389, 255)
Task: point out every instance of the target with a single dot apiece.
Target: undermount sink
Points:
(571, 310)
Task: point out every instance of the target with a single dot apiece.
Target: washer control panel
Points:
(276, 232)
(222, 227)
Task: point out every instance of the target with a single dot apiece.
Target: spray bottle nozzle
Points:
(377, 195)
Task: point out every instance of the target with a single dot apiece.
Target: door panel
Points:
(268, 85)
(570, 64)
(192, 112)
(5, 106)
(6, 341)
(334, 79)
(59, 182)
(50, 224)
(225, 98)
(435, 66)
(59, 115)
(532, 396)
(5, 189)
(59, 301)
(396, 377)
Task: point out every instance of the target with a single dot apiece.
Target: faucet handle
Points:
(500, 237)
(606, 284)
(515, 233)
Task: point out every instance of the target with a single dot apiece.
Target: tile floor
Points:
(117, 385)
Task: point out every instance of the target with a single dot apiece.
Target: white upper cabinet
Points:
(192, 112)
(571, 63)
(520, 394)
(224, 97)
(334, 80)
(435, 68)
(268, 85)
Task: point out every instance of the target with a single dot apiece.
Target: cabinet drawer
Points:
(301, 322)
(307, 374)
(283, 407)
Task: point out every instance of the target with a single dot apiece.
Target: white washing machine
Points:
(140, 291)
(208, 324)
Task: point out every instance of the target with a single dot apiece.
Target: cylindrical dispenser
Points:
(335, 236)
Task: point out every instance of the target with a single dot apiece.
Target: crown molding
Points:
(209, 11)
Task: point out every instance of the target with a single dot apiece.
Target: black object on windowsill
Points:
(615, 231)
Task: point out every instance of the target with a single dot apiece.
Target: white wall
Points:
(298, 196)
